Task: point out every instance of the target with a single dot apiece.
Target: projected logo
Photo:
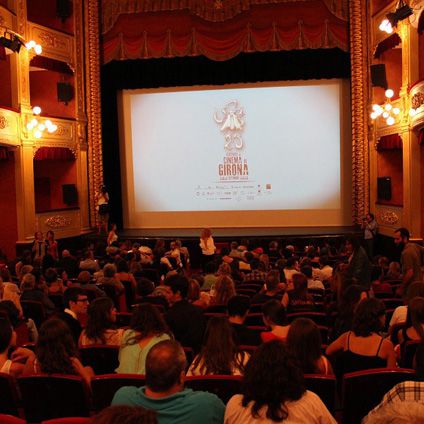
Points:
(231, 121)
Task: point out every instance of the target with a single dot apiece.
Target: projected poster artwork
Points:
(238, 149)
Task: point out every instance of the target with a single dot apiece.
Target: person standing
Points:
(103, 208)
(208, 247)
(411, 259)
(370, 227)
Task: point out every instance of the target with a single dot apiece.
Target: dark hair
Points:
(210, 267)
(306, 270)
(304, 343)
(290, 261)
(11, 310)
(121, 265)
(124, 414)
(55, 347)
(98, 319)
(416, 315)
(165, 362)
(272, 280)
(225, 251)
(144, 286)
(219, 354)
(300, 283)
(224, 289)
(349, 299)
(238, 305)
(415, 289)
(146, 320)
(254, 264)
(178, 283)
(367, 317)
(404, 232)
(275, 312)
(272, 378)
(6, 332)
(50, 276)
(71, 295)
(354, 241)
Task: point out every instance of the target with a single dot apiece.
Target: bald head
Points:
(164, 364)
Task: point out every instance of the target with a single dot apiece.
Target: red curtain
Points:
(285, 26)
(387, 44)
(54, 153)
(390, 142)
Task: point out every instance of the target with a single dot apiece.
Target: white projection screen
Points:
(245, 155)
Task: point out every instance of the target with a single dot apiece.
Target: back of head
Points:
(304, 342)
(300, 283)
(416, 314)
(224, 289)
(50, 276)
(165, 363)
(109, 270)
(6, 333)
(254, 264)
(84, 277)
(404, 232)
(124, 414)
(28, 282)
(274, 312)
(121, 265)
(238, 306)
(178, 283)
(367, 317)
(306, 270)
(99, 319)
(147, 321)
(11, 310)
(71, 295)
(271, 379)
(272, 280)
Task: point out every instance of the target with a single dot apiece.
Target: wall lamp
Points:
(402, 12)
(13, 41)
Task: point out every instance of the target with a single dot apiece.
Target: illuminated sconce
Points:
(386, 26)
(37, 126)
(386, 111)
(33, 45)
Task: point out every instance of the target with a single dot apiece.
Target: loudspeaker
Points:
(65, 92)
(378, 76)
(63, 9)
(70, 195)
(384, 188)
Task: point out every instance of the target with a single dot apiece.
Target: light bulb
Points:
(412, 112)
(389, 93)
(53, 128)
(385, 115)
(37, 134)
(41, 127)
(396, 110)
(36, 110)
(373, 115)
(31, 44)
(375, 107)
(30, 126)
(390, 121)
(48, 123)
(388, 106)
(38, 49)
(34, 122)
(383, 25)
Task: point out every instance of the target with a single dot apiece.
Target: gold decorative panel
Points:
(7, 19)
(417, 102)
(56, 45)
(9, 127)
(64, 222)
(389, 218)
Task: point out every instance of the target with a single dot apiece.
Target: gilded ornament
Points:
(3, 122)
(58, 221)
(417, 100)
(388, 217)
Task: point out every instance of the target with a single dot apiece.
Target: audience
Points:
(220, 354)
(165, 393)
(147, 328)
(123, 414)
(298, 299)
(274, 316)
(274, 391)
(223, 291)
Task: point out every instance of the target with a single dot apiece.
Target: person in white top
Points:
(207, 245)
(274, 392)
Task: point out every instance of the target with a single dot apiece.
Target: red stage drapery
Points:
(54, 153)
(289, 25)
(387, 44)
(390, 142)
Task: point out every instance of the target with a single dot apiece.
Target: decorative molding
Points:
(359, 100)
(388, 217)
(9, 127)
(58, 221)
(92, 77)
(56, 45)
(3, 122)
(7, 19)
(417, 100)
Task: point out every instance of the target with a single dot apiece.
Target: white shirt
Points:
(309, 409)
(399, 315)
(207, 246)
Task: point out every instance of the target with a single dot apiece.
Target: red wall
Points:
(8, 218)
(43, 12)
(43, 87)
(3, 3)
(57, 172)
(420, 57)
(389, 164)
(393, 61)
(6, 83)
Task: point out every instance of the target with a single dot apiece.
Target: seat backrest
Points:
(324, 386)
(68, 420)
(319, 318)
(224, 386)
(364, 390)
(218, 308)
(255, 319)
(9, 395)
(102, 358)
(129, 293)
(53, 396)
(104, 387)
(408, 351)
(10, 419)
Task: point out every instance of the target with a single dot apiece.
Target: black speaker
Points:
(63, 9)
(384, 188)
(70, 195)
(65, 92)
(378, 76)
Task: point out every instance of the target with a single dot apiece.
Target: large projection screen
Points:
(256, 155)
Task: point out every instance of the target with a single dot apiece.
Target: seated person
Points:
(363, 347)
(298, 299)
(30, 292)
(238, 308)
(165, 393)
(274, 316)
(272, 289)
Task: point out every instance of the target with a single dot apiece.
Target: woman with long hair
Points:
(304, 343)
(207, 245)
(274, 316)
(298, 299)
(274, 391)
(101, 324)
(219, 353)
(52, 245)
(363, 347)
(56, 353)
(224, 290)
(147, 328)
(414, 327)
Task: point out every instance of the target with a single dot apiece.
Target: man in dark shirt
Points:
(272, 289)
(69, 264)
(76, 303)
(185, 320)
(238, 307)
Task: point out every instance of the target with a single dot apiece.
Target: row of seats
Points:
(45, 397)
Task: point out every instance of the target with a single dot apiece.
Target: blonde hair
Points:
(224, 289)
(206, 233)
